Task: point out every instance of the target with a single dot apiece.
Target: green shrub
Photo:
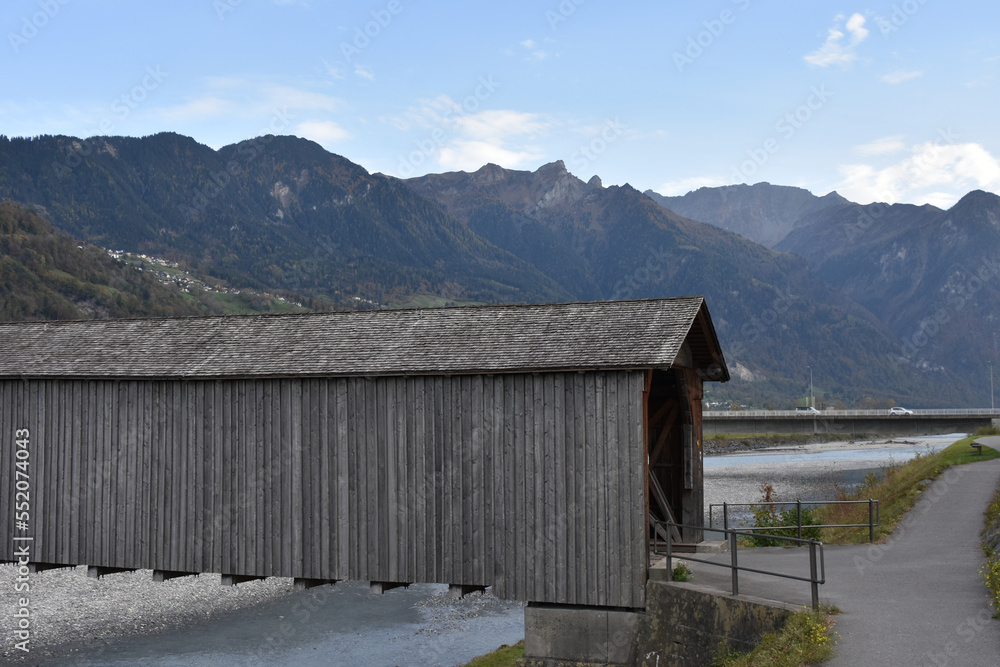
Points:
(768, 516)
(990, 570)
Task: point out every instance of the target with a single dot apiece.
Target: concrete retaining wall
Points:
(686, 624)
(563, 636)
(683, 624)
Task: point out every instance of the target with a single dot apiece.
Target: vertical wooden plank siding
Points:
(532, 484)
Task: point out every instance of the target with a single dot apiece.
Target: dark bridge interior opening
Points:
(674, 447)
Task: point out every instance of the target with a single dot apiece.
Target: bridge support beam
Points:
(380, 587)
(34, 568)
(459, 591)
(234, 579)
(159, 576)
(302, 584)
(96, 572)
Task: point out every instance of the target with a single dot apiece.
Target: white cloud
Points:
(397, 122)
(296, 98)
(499, 125)
(981, 82)
(364, 72)
(245, 99)
(200, 108)
(324, 132)
(934, 172)
(333, 70)
(498, 135)
(429, 113)
(468, 155)
(686, 185)
(458, 135)
(883, 146)
(899, 76)
(535, 53)
(839, 48)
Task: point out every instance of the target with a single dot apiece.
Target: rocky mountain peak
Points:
(978, 205)
(555, 169)
(761, 212)
(489, 174)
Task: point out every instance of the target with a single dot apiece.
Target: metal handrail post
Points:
(670, 551)
(735, 563)
(871, 520)
(725, 516)
(798, 513)
(814, 583)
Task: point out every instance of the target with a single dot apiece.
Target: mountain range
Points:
(880, 303)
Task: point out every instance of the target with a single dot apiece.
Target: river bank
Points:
(728, 444)
(806, 471)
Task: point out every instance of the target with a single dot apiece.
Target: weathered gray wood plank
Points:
(342, 534)
(294, 460)
(389, 507)
(371, 447)
(562, 493)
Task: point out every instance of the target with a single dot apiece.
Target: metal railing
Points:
(874, 514)
(736, 414)
(817, 563)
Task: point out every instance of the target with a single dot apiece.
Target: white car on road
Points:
(900, 411)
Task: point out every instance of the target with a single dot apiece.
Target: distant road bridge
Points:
(852, 422)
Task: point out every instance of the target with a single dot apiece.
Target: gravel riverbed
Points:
(72, 613)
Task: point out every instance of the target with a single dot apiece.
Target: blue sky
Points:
(895, 100)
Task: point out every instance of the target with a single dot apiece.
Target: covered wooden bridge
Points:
(503, 446)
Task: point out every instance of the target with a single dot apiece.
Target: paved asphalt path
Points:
(916, 600)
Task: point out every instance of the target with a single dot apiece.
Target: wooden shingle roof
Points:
(431, 341)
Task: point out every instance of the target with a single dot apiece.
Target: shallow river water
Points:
(330, 625)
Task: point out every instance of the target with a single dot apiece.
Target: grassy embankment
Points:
(991, 547)
(505, 656)
(807, 639)
(897, 490)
